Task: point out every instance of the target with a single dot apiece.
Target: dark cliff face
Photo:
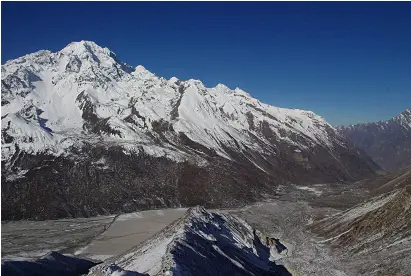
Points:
(97, 180)
(388, 143)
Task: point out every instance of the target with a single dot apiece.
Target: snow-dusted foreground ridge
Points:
(82, 116)
(200, 243)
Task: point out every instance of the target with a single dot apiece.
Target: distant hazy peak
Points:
(387, 142)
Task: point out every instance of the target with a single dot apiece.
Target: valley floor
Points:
(288, 221)
(97, 238)
(286, 217)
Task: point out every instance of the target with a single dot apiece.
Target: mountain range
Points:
(84, 134)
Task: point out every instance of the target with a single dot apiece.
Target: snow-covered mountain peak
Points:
(173, 80)
(241, 92)
(223, 88)
(82, 104)
(196, 83)
(85, 47)
(140, 68)
(142, 73)
(28, 63)
(36, 56)
(87, 53)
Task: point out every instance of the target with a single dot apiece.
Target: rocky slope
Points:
(378, 229)
(85, 134)
(388, 143)
(200, 243)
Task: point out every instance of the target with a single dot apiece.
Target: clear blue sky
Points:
(349, 62)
